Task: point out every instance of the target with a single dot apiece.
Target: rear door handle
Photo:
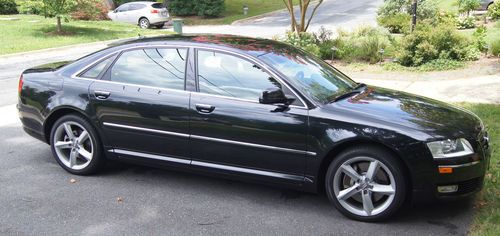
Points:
(101, 94)
(204, 108)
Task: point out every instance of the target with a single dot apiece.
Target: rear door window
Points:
(136, 6)
(156, 67)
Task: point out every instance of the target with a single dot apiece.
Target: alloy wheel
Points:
(364, 186)
(73, 145)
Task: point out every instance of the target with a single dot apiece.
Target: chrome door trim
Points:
(151, 156)
(254, 145)
(209, 165)
(211, 139)
(146, 129)
(248, 171)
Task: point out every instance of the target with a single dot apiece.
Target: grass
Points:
(234, 11)
(32, 32)
(487, 217)
(448, 5)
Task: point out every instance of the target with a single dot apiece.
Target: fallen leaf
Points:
(119, 199)
(72, 181)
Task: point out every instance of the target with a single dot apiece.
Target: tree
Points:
(303, 23)
(468, 5)
(58, 9)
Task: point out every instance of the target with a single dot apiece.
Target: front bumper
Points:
(465, 175)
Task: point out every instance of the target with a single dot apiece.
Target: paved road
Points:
(332, 14)
(37, 198)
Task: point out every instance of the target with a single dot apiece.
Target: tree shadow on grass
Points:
(101, 33)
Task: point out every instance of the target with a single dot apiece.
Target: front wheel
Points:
(366, 183)
(76, 145)
(144, 23)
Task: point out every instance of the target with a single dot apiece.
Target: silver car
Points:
(144, 14)
(485, 4)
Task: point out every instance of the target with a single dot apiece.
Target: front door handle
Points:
(204, 108)
(101, 94)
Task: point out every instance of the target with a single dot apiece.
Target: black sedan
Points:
(256, 110)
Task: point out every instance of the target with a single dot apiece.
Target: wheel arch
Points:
(58, 113)
(334, 151)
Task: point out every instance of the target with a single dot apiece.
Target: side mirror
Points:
(274, 96)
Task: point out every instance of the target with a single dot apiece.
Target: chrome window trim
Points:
(308, 153)
(460, 165)
(261, 65)
(146, 129)
(144, 86)
(209, 165)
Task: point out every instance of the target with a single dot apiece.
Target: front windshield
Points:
(310, 75)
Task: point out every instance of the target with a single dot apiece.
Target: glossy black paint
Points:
(309, 134)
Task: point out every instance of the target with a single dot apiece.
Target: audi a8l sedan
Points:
(255, 110)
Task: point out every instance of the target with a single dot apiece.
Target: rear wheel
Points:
(144, 23)
(75, 145)
(366, 183)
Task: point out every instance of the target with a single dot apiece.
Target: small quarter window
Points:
(96, 70)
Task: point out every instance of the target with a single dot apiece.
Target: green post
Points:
(177, 25)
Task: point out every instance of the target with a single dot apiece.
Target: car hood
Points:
(404, 112)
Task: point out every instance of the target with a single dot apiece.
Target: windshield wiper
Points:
(345, 95)
(360, 85)
(356, 90)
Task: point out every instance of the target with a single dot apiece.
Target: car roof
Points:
(142, 2)
(252, 46)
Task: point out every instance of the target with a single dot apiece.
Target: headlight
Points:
(450, 148)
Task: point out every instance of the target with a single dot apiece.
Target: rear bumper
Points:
(158, 19)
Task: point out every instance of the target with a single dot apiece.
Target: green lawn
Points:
(234, 11)
(32, 32)
(487, 217)
(448, 5)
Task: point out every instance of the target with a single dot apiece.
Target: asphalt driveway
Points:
(38, 198)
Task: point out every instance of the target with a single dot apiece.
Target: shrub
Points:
(480, 38)
(397, 23)
(427, 9)
(495, 48)
(8, 7)
(30, 6)
(494, 10)
(466, 6)
(90, 10)
(364, 43)
(304, 40)
(447, 18)
(182, 7)
(467, 22)
(209, 8)
(428, 43)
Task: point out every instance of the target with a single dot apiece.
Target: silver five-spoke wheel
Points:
(364, 186)
(73, 145)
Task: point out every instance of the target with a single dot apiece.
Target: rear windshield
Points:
(157, 5)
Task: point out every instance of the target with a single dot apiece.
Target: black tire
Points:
(97, 159)
(393, 164)
(144, 23)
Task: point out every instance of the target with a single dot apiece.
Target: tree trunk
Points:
(59, 27)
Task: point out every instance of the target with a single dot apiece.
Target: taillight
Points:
(155, 11)
(20, 87)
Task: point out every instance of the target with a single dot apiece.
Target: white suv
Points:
(143, 14)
